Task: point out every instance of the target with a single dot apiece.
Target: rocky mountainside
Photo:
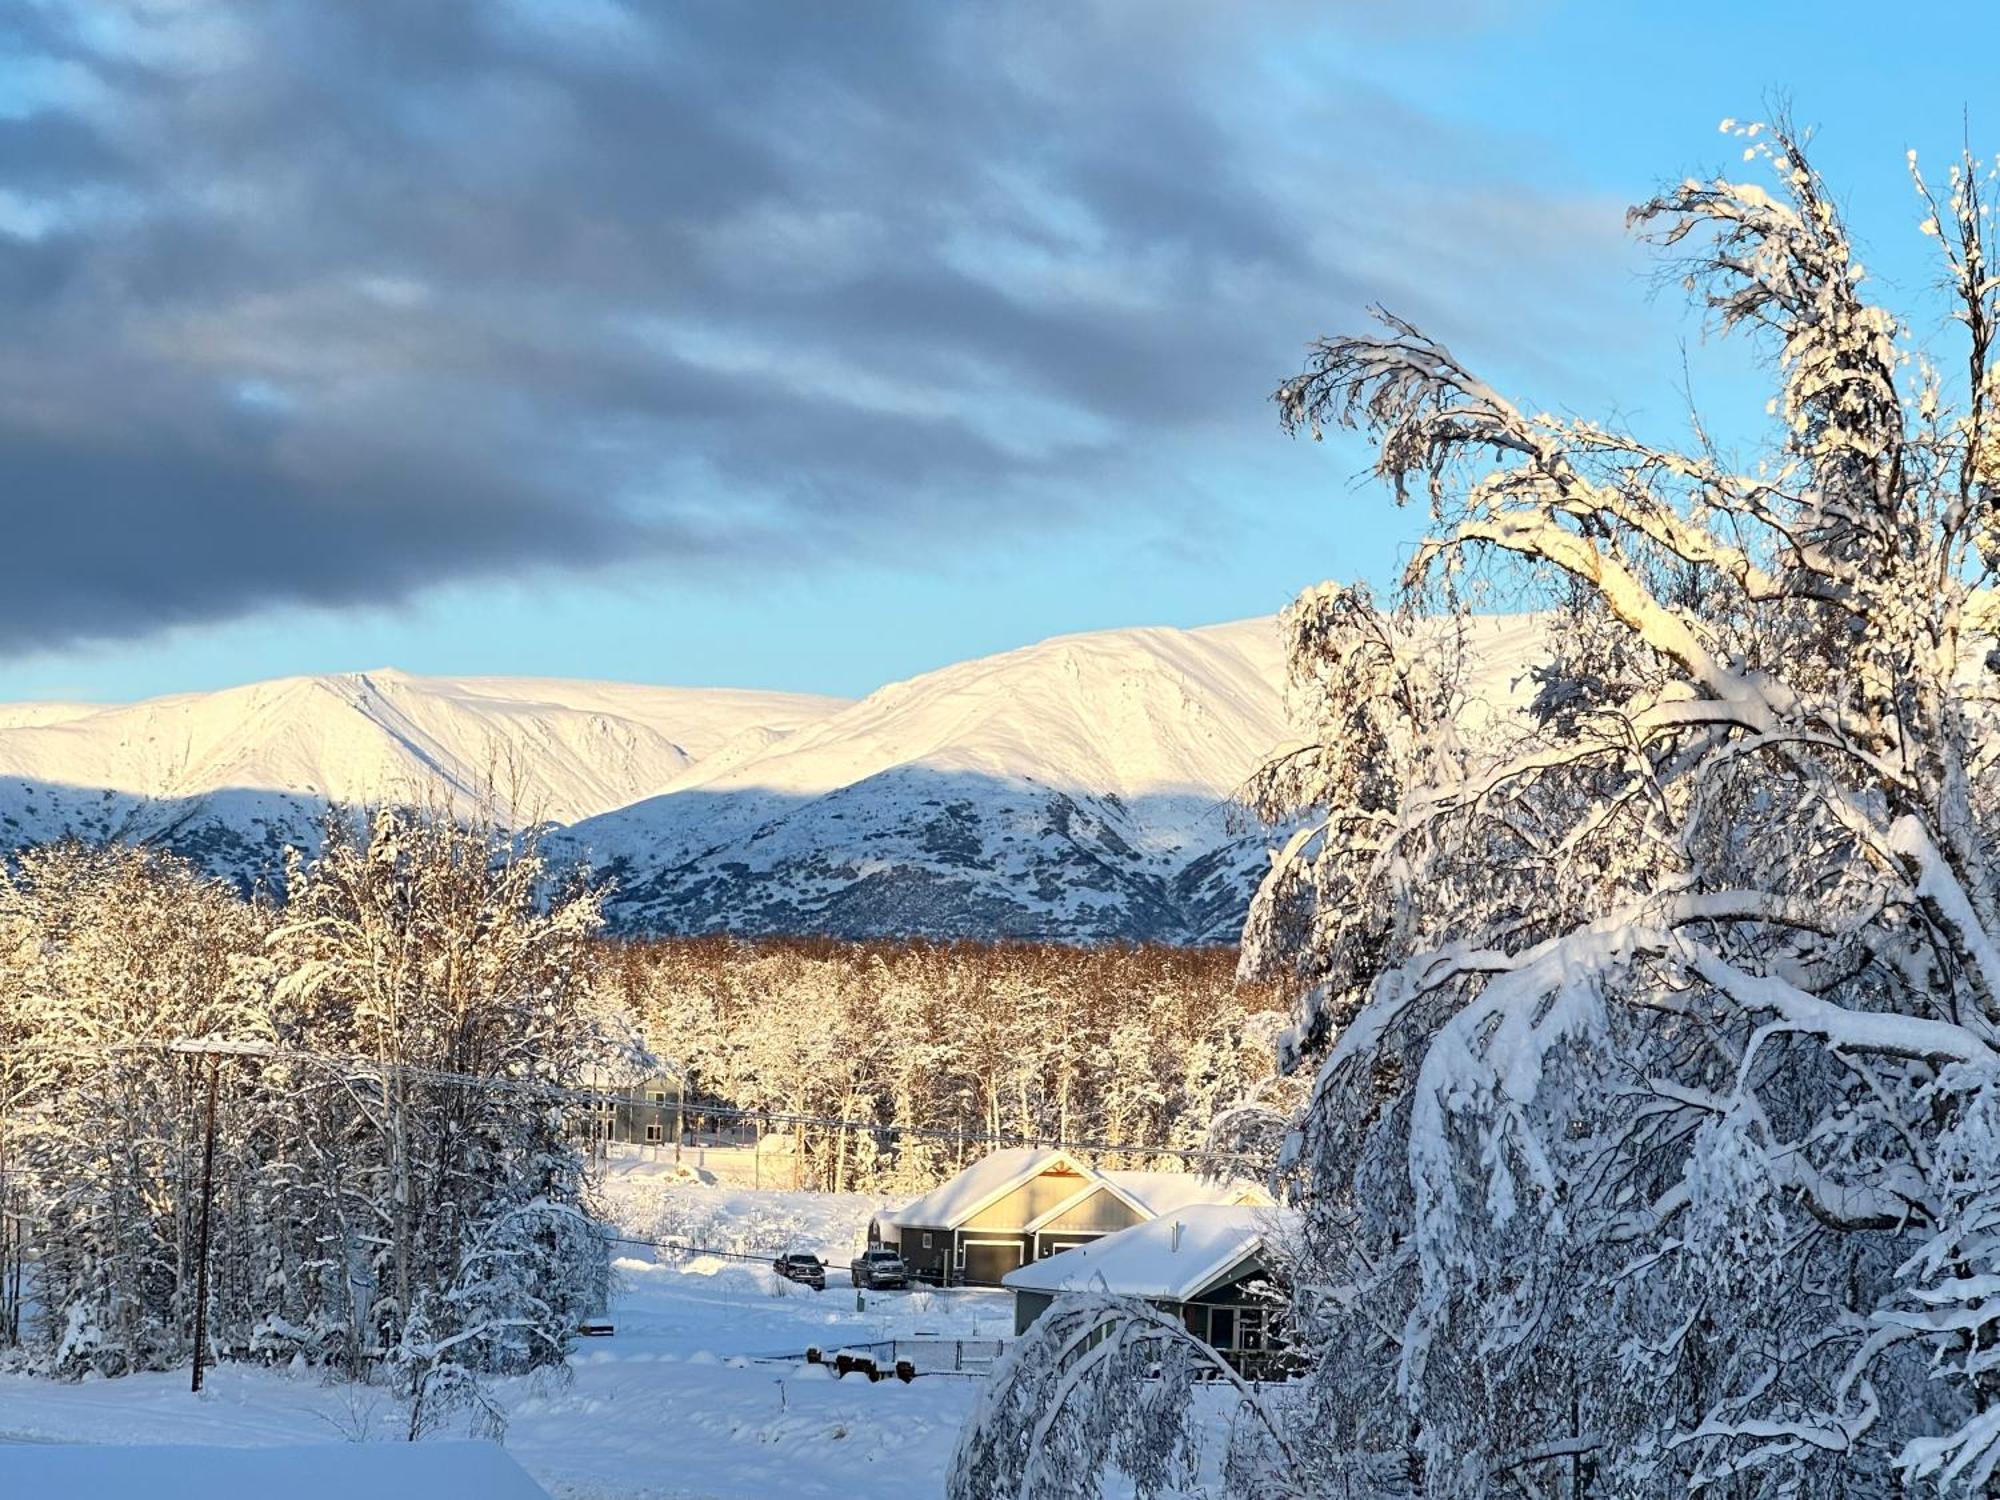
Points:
(1080, 789)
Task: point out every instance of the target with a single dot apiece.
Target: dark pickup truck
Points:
(873, 1268)
(807, 1270)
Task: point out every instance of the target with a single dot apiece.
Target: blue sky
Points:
(774, 350)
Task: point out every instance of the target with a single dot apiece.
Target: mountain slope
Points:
(1078, 789)
(232, 777)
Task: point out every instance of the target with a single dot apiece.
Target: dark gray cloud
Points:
(327, 302)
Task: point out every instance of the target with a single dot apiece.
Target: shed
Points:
(1200, 1264)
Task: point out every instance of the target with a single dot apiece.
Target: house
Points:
(975, 1228)
(1027, 1203)
(640, 1112)
(1202, 1263)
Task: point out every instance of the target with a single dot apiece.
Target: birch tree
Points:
(1651, 1149)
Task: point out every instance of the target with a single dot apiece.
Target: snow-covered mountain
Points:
(232, 777)
(1079, 789)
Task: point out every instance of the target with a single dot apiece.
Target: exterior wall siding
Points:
(1026, 1203)
(931, 1262)
(1100, 1213)
(1029, 1306)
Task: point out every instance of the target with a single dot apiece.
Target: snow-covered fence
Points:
(927, 1356)
(939, 1356)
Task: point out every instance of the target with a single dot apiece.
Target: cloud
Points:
(328, 303)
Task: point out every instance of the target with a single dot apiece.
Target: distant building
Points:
(1026, 1203)
(1202, 1263)
(640, 1113)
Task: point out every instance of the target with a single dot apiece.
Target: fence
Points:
(933, 1356)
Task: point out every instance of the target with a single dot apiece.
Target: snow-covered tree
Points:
(388, 1110)
(1102, 1386)
(1659, 1023)
(1653, 1001)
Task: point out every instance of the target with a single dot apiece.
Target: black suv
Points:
(804, 1269)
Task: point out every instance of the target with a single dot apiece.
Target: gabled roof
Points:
(983, 1183)
(1097, 1182)
(1168, 1192)
(1173, 1259)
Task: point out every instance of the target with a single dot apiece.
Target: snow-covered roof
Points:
(1167, 1192)
(319, 1471)
(1175, 1258)
(990, 1178)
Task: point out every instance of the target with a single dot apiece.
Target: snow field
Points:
(677, 1405)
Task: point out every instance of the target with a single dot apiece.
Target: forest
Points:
(949, 1047)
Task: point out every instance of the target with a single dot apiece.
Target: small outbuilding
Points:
(1205, 1264)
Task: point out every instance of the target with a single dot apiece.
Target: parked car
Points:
(807, 1270)
(873, 1268)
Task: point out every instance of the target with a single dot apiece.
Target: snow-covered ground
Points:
(684, 1402)
(708, 1206)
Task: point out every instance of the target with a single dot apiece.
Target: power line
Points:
(357, 1065)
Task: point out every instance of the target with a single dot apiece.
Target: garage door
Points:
(986, 1264)
(1059, 1244)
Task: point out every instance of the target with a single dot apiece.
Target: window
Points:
(1222, 1327)
(654, 1135)
(658, 1096)
(927, 1239)
(1250, 1328)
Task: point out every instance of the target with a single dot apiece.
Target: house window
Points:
(1250, 1328)
(1222, 1327)
(658, 1096)
(654, 1134)
(927, 1239)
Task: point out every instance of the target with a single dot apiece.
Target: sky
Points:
(811, 347)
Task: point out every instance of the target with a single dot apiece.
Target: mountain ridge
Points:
(1081, 788)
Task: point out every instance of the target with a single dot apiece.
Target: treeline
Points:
(940, 1045)
(374, 1205)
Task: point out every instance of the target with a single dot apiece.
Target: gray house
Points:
(1204, 1264)
(1026, 1203)
(644, 1112)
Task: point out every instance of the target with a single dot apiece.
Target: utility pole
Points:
(207, 1204)
(214, 1050)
